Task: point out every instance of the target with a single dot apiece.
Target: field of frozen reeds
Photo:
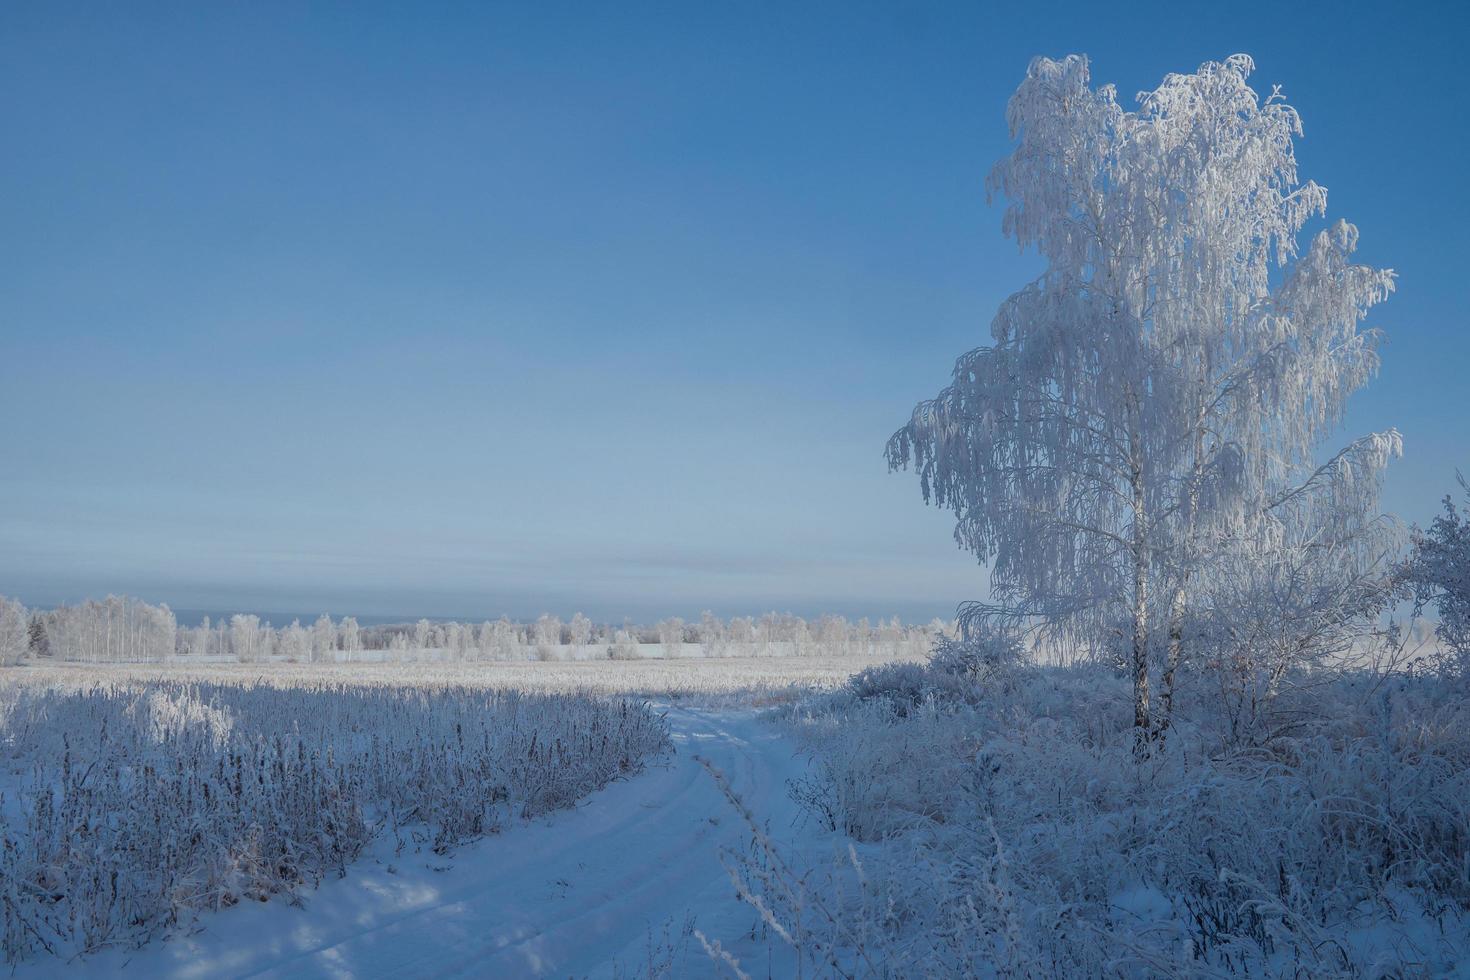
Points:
(133, 800)
(709, 678)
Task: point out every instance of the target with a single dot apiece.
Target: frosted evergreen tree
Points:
(39, 643)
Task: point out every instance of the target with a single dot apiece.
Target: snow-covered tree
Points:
(197, 638)
(245, 638)
(455, 640)
(14, 631)
(296, 643)
(1438, 571)
(39, 642)
(579, 630)
(500, 640)
(741, 632)
(671, 635)
(270, 641)
(547, 635)
(116, 629)
(1156, 395)
(624, 645)
(833, 634)
(713, 637)
(351, 636)
(323, 638)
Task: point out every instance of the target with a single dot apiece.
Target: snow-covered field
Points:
(165, 815)
(958, 818)
(742, 678)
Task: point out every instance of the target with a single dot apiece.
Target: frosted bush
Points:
(957, 673)
(1015, 833)
(903, 687)
(978, 656)
(870, 785)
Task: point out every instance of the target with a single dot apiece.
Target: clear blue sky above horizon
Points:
(467, 310)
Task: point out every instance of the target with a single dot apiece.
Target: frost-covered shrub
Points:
(872, 778)
(906, 686)
(132, 806)
(956, 674)
(978, 657)
(902, 684)
(1020, 835)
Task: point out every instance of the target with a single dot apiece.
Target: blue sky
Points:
(455, 311)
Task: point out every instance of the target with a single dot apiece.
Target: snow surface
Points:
(598, 891)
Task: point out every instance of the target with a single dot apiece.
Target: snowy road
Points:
(589, 892)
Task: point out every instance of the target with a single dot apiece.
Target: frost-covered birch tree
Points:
(579, 630)
(351, 636)
(14, 631)
(1160, 392)
(547, 635)
(245, 638)
(296, 643)
(323, 638)
(671, 635)
(118, 629)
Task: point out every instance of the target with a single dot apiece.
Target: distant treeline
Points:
(126, 630)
